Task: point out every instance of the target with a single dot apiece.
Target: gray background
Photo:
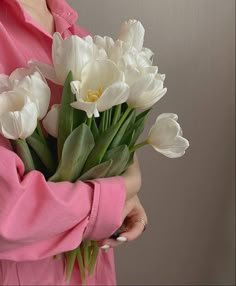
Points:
(189, 201)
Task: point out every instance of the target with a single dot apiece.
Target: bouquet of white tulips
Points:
(109, 87)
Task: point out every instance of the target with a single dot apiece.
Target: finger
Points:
(134, 231)
(109, 243)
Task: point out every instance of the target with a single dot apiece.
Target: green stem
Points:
(102, 122)
(93, 258)
(124, 116)
(109, 117)
(137, 146)
(81, 265)
(70, 261)
(22, 149)
(116, 115)
(89, 122)
(86, 247)
(40, 132)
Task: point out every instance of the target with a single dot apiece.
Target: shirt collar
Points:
(64, 15)
(61, 9)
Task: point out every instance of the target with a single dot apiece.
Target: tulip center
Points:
(93, 95)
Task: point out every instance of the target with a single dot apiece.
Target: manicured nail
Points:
(121, 239)
(105, 247)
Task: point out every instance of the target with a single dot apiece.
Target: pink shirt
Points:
(39, 219)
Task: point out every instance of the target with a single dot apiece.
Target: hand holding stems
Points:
(132, 226)
(134, 215)
(133, 179)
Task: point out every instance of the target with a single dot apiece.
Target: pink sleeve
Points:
(39, 219)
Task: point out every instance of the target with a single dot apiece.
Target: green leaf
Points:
(120, 157)
(143, 114)
(103, 142)
(128, 136)
(79, 117)
(22, 150)
(41, 149)
(120, 134)
(66, 115)
(134, 131)
(99, 171)
(139, 126)
(74, 154)
(94, 128)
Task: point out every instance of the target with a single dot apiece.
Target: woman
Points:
(39, 219)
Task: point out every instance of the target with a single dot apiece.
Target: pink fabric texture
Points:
(39, 219)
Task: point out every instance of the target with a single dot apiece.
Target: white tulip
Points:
(135, 61)
(70, 54)
(18, 115)
(5, 83)
(50, 122)
(165, 136)
(132, 32)
(36, 86)
(104, 43)
(102, 86)
(145, 92)
(24, 98)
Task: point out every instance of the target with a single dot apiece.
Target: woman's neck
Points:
(35, 4)
(39, 11)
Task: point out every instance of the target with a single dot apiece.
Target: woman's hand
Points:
(132, 178)
(135, 221)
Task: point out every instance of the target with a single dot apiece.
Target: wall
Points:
(190, 201)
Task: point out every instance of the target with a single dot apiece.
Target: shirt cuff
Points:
(107, 209)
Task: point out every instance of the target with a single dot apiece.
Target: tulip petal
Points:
(149, 53)
(33, 82)
(99, 73)
(28, 120)
(165, 136)
(71, 54)
(145, 92)
(168, 116)
(115, 94)
(144, 83)
(38, 91)
(132, 32)
(163, 132)
(50, 122)
(19, 124)
(5, 83)
(75, 86)
(89, 107)
(152, 98)
(11, 101)
(132, 75)
(180, 144)
(47, 71)
(105, 43)
(119, 50)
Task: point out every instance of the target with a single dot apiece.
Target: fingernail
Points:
(121, 239)
(105, 247)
